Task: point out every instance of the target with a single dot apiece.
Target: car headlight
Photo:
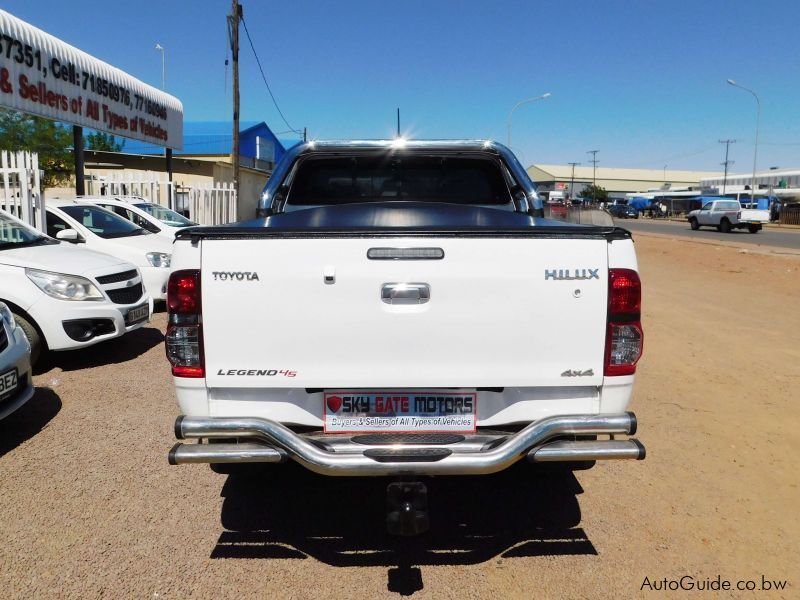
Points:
(5, 313)
(158, 259)
(64, 287)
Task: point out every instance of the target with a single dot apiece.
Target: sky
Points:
(642, 81)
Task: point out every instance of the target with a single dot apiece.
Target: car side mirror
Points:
(521, 202)
(69, 235)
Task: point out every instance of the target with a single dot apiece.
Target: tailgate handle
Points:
(405, 293)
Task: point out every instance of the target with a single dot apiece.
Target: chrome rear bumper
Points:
(264, 440)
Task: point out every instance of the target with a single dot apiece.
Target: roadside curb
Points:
(743, 248)
(766, 226)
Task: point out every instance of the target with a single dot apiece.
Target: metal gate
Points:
(22, 193)
(206, 204)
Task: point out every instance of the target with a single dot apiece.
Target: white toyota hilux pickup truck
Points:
(400, 308)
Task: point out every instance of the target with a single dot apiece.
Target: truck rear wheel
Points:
(725, 226)
(754, 228)
(694, 224)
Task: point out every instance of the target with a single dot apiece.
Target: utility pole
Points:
(726, 163)
(594, 162)
(77, 151)
(305, 134)
(398, 122)
(236, 13)
(753, 185)
(572, 180)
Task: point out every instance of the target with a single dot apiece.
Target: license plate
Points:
(407, 412)
(8, 383)
(135, 315)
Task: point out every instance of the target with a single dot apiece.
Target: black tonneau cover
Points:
(386, 219)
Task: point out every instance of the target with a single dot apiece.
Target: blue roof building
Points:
(210, 138)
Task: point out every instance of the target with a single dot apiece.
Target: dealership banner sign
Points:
(41, 75)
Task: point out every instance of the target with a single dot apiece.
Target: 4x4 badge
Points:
(573, 373)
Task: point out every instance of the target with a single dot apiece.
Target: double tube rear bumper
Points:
(263, 440)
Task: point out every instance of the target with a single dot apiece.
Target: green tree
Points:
(597, 192)
(103, 141)
(52, 141)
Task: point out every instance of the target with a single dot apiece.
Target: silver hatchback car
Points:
(16, 384)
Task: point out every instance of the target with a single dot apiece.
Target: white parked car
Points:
(79, 222)
(16, 386)
(65, 297)
(148, 215)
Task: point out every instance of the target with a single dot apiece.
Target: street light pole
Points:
(758, 123)
(517, 105)
(167, 151)
(160, 48)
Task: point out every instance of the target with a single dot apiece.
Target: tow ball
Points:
(407, 508)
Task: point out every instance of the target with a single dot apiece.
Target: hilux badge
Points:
(571, 274)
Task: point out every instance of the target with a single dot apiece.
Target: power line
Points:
(264, 77)
(668, 159)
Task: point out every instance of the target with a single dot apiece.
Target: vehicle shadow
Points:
(29, 419)
(119, 350)
(284, 511)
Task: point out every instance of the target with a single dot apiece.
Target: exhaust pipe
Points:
(224, 453)
(585, 450)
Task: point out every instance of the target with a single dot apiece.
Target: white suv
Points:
(79, 222)
(66, 297)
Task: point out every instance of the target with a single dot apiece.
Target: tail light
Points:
(624, 337)
(184, 339)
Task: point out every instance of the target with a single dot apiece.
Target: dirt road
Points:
(90, 508)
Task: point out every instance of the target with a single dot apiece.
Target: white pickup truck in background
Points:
(400, 309)
(727, 214)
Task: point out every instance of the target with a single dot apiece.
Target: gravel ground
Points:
(90, 507)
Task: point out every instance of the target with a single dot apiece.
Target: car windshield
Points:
(475, 180)
(102, 222)
(14, 234)
(165, 215)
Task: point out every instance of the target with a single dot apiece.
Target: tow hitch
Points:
(407, 508)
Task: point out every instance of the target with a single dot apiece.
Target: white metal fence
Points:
(209, 204)
(212, 205)
(149, 186)
(22, 193)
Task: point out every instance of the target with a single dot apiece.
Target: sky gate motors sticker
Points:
(407, 412)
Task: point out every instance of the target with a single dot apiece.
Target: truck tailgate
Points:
(501, 312)
(754, 215)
